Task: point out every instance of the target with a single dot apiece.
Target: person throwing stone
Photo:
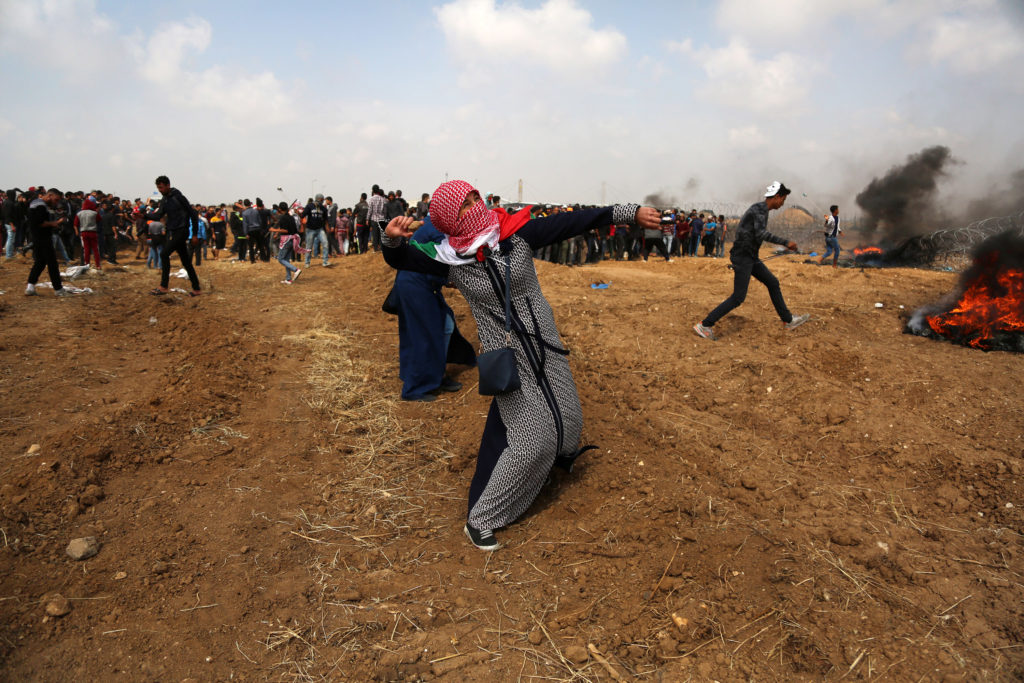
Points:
(539, 425)
(751, 232)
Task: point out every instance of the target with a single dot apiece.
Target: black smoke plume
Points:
(902, 202)
(660, 200)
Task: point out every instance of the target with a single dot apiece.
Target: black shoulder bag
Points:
(498, 371)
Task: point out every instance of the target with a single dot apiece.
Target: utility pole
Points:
(520, 197)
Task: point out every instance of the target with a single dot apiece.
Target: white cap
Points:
(776, 188)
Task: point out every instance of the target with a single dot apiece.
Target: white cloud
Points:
(747, 138)
(162, 62)
(974, 43)
(736, 78)
(558, 35)
(70, 35)
(776, 21)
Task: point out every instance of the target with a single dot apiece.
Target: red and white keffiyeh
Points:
(478, 227)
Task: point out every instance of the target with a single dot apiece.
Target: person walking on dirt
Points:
(287, 234)
(182, 228)
(486, 253)
(751, 232)
(41, 222)
(832, 232)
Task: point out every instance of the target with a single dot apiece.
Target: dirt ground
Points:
(840, 502)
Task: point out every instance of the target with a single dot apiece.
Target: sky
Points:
(583, 101)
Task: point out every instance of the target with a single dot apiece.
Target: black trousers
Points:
(492, 443)
(177, 243)
(658, 244)
(376, 228)
(44, 256)
(258, 240)
(110, 246)
(743, 270)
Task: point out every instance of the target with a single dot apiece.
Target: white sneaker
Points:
(296, 274)
(286, 282)
(797, 321)
(705, 332)
(30, 290)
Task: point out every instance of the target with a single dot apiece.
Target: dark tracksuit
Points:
(181, 221)
(43, 254)
(751, 232)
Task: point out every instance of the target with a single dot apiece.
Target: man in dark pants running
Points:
(182, 227)
(751, 232)
(41, 222)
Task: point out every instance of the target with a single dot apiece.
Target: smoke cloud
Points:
(660, 200)
(902, 202)
(1001, 202)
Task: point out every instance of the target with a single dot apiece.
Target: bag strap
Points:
(508, 296)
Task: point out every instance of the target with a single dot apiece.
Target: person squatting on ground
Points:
(287, 233)
(832, 232)
(41, 223)
(539, 425)
(182, 223)
(751, 232)
(428, 337)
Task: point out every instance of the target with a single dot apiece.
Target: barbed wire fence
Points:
(956, 244)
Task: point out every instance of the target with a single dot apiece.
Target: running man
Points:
(751, 232)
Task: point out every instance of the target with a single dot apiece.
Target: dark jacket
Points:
(179, 213)
(752, 231)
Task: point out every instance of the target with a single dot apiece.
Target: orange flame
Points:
(871, 251)
(990, 305)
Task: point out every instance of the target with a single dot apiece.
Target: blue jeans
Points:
(284, 257)
(154, 257)
(9, 246)
(312, 238)
(831, 247)
(58, 248)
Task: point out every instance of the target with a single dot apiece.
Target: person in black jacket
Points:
(182, 223)
(752, 231)
(42, 220)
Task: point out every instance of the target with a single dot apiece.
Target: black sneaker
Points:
(481, 538)
(425, 398)
(448, 384)
(566, 462)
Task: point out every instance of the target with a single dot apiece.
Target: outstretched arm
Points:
(541, 232)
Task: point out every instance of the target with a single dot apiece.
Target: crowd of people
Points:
(93, 226)
(535, 419)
